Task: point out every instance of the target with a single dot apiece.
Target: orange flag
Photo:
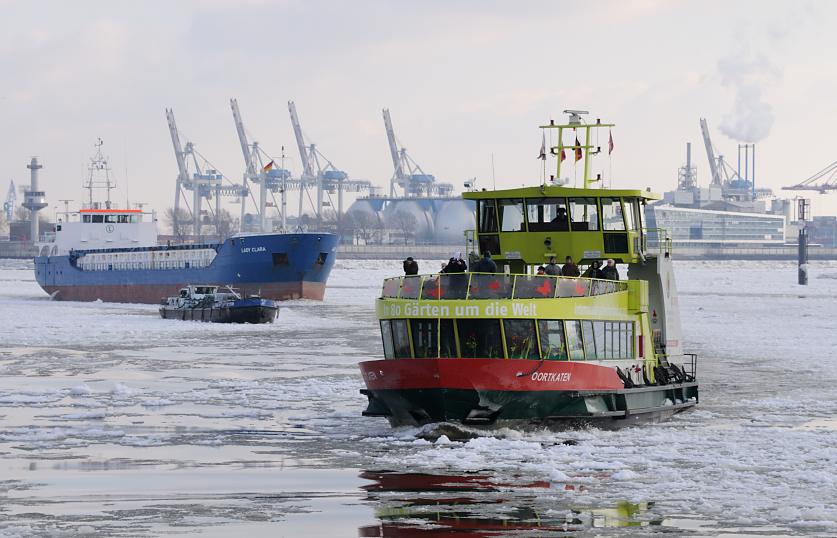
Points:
(578, 154)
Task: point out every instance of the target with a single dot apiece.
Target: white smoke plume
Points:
(753, 68)
(751, 116)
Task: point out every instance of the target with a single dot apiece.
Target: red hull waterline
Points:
(154, 293)
(488, 374)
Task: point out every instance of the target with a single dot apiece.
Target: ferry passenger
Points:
(610, 272)
(456, 264)
(552, 268)
(570, 268)
(485, 265)
(410, 266)
(541, 270)
(594, 270)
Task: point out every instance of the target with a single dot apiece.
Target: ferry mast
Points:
(586, 148)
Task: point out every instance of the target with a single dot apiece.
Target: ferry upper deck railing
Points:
(465, 286)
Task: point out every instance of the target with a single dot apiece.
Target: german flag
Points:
(268, 167)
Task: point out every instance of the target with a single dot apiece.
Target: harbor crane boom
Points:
(393, 151)
(710, 153)
(823, 181)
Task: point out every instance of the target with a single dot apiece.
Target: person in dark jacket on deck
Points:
(609, 271)
(552, 268)
(456, 264)
(485, 265)
(410, 266)
(570, 268)
(593, 271)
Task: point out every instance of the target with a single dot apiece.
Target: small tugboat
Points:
(518, 348)
(206, 303)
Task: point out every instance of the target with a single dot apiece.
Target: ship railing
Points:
(466, 286)
(660, 238)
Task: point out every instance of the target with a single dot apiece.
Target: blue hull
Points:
(276, 266)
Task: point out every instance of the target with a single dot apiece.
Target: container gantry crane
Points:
(204, 182)
(320, 173)
(408, 175)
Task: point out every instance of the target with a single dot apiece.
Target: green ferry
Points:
(513, 346)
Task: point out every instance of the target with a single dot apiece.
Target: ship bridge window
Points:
(631, 213)
(547, 215)
(612, 215)
(400, 339)
(511, 215)
(480, 338)
(487, 212)
(553, 346)
(521, 342)
(424, 337)
(584, 214)
(98, 218)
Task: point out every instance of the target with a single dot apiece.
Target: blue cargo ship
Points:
(112, 255)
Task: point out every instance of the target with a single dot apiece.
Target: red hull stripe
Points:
(153, 293)
(488, 374)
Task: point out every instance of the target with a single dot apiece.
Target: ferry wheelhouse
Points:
(511, 346)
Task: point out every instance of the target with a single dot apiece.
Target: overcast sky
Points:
(462, 79)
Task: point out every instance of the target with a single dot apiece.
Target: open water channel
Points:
(114, 422)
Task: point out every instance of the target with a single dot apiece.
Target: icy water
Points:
(114, 422)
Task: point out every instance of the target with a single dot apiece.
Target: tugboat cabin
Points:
(527, 226)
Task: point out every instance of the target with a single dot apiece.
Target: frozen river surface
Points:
(114, 422)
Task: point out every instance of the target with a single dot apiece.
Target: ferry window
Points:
(98, 218)
(511, 215)
(135, 219)
(591, 349)
(628, 340)
(552, 339)
(280, 259)
(612, 215)
(86, 218)
(123, 219)
(400, 338)
(630, 213)
(520, 338)
(487, 212)
(480, 338)
(386, 334)
(574, 342)
(547, 215)
(584, 214)
(447, 340)
(424, 337)
(110, 219)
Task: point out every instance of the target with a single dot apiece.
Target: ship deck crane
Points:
(205, 182)
(320, 173)
(407, 173)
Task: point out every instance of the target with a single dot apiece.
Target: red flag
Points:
(542, 154)
(578, 154)
(563, 154)
(609, 143)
